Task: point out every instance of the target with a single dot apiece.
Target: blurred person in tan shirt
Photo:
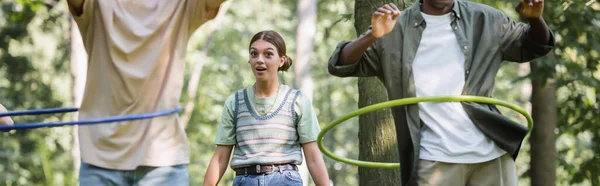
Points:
(136, 59)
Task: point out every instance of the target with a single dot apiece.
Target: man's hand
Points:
(384, 19)
(531, 9)
(5, 120)
(382, 22)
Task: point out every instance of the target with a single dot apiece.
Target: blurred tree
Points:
(194, 78)
(305, 36)
(543, 139)
(575, 66)
(377, 132)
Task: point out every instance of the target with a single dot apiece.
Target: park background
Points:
(43, 65)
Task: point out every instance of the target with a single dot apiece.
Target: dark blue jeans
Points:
(283, 178)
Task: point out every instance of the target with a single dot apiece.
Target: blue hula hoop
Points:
(80, 122)
(39, 111)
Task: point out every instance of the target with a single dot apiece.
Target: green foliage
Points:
(32, 75)
(575, 64)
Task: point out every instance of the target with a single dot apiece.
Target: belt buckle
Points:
(260, 172)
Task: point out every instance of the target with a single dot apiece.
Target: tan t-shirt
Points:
(136, 54)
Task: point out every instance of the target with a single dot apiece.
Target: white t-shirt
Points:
(448, 135)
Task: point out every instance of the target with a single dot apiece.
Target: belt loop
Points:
(246, 172)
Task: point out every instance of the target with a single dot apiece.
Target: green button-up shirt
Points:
(487, 37)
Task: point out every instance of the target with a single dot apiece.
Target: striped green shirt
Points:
(267, 130)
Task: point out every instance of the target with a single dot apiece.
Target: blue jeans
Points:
(172, 176)
(282, 178)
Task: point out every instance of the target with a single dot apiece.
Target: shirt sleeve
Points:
(368, 65)
(201, 11)
(226, 128)
(84, 17)
(308, 126)
(515, 43)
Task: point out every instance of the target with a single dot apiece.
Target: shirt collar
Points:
(418, 18)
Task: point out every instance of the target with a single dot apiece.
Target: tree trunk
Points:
(543, 137)
(194, 81)
(306, 29)
(78, 74)
(377, 134)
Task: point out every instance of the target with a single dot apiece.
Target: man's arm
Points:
(524, 42)
(76, 6)
(532, 11)
(201, 11)
(382, 22)
(352, 52)
(361, 57)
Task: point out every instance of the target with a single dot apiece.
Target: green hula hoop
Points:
(408, 101)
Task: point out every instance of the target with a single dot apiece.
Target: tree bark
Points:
(305, 35)
(543, 137)
(377, 134)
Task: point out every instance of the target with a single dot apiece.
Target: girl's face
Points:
(264, 60)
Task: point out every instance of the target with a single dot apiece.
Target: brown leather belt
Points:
(264, 169)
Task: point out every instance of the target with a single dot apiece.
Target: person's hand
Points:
(531, 9)
(384, 19)
(5, 120)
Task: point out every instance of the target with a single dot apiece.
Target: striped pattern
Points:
(268, 139)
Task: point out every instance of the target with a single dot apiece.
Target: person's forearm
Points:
(318, 171)
(539, 31)
(215, 171)
(315, 164)
(352, 52)
(218, 165)
(6, 121)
